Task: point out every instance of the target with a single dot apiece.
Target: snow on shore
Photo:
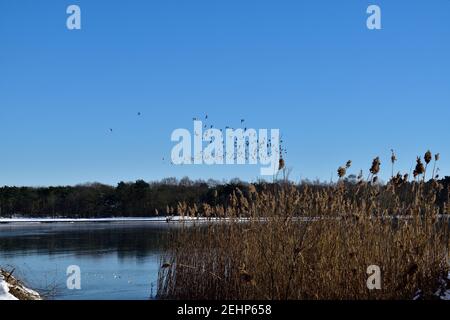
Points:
(13, 289)
(4, 290)
(124, 219)
(163, 219)
(44, 220)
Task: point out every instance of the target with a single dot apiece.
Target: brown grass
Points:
(311, 242)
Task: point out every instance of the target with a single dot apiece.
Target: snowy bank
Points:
(163, 219)
(4, 290)
(124, 219)
(13, 289)
(73, 220)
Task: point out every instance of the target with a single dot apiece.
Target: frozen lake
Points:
(118, 260)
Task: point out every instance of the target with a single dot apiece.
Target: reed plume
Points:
(393, 160)
(427, 157)
(420, 168)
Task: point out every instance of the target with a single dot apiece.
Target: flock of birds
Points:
(138, 114)
(263, 143)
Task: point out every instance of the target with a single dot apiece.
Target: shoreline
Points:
(168, 219)
(13, 289)
(90, 220)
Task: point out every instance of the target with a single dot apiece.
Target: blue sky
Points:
(336, 90)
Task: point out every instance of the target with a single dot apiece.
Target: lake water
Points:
(117, 260)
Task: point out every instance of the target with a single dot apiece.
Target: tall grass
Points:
(313, 242)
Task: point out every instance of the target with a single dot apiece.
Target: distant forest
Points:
(129, 199)
(95, 200)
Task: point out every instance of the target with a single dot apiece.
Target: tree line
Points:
(131, 199)
(95, 200)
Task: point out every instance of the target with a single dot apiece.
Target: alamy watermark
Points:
(73, 22)
(374, 279)
(73, 273)
(230, 146)
(373, 22)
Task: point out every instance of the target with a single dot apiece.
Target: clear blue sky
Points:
(336, 90)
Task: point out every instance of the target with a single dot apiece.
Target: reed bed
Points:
(400, 227)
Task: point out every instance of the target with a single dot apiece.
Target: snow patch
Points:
(443, 292)
(4, 290)
(124, 219)
(446, 295)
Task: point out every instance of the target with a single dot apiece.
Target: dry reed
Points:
(313, 242)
